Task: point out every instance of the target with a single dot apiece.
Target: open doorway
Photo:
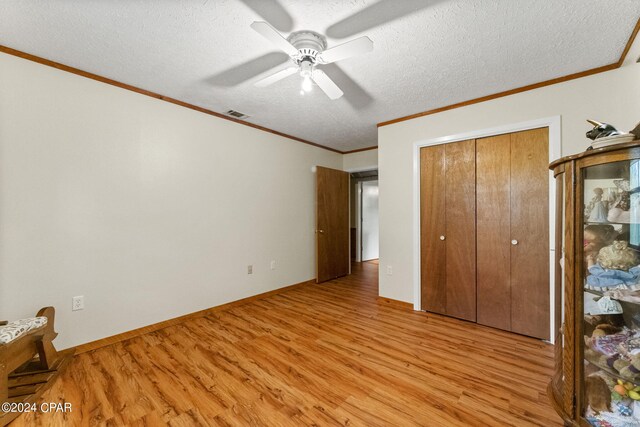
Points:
(364, 215)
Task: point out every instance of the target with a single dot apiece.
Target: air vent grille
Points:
(237, 114)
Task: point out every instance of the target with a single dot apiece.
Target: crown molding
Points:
(76, 71)
(375, 147)
(630, 42)
(563, 79)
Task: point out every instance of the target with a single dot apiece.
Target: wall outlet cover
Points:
(250, 269)
(77, 303)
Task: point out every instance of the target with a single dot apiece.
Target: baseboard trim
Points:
(103, 342)
(395, 303)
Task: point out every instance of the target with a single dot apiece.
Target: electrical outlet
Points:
(273, 265)
(389, 270)
(77, 303)
(250, 269)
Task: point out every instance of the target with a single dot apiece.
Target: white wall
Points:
(612, 97)
(360, 161)
(148, 210)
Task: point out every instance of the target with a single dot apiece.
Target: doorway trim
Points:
(554, 124)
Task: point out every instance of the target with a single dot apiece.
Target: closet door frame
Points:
(555, 152)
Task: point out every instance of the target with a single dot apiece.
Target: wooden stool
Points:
(29, 363)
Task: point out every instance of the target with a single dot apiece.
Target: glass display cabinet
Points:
(596, 380)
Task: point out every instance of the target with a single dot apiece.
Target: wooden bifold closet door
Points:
(484, 230)
(513, 232)
(448, 229)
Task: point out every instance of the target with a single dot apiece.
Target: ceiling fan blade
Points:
(326, 84)
(276, 77)
(346, 50)
(271, 34)
(273, 12)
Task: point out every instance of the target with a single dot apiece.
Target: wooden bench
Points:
(29, 363)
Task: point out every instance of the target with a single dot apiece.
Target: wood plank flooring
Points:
(318, 355)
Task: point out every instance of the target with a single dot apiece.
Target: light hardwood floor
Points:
(322, 355)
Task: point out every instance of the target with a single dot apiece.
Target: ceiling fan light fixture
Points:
(306, 84)
(306, 68)
(306, 71)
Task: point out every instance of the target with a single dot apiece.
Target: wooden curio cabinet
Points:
(597, 287)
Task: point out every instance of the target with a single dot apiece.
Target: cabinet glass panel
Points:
(611, 298)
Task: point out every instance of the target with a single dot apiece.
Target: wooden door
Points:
(460, 211)
(530, 233)
(332, 223)
(513, 232)
(493, 190)
(447, 224)
(432, 226)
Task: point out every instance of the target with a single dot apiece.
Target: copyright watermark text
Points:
(46, 407)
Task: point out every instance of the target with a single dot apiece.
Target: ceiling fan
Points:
(308, 50)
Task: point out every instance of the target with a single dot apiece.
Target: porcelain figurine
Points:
(601, 130)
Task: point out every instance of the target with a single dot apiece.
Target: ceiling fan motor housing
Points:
(309, 45)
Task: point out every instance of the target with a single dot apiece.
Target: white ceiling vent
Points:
(237, 114)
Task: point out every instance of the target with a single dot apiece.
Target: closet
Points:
(485, 231)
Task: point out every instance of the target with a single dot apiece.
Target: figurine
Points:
(620, 203)
(597, 394)
(624, 295)
(617, 256)
(596, 237)
(615, 268)
(601, 130)
(596, 210)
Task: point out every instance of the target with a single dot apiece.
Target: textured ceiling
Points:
(427, 53)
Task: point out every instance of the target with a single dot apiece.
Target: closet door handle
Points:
(442, 237)
(320, 231)
(514, 242)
